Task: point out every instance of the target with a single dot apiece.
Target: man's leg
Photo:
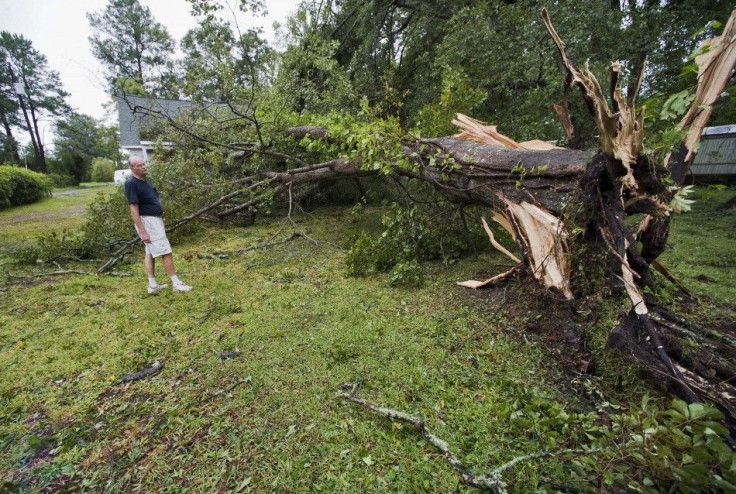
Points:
(176, 283)
(153, 285)
(168, 261)
(150, 266)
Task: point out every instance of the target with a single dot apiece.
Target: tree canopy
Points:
(135, 49)
(78, 140)
(492, 57)
(44, 97)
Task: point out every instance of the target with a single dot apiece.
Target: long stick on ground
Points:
(492, 482)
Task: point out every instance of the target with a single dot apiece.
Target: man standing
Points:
(147, 213)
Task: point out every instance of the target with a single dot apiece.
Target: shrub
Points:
(103, 170)
(407, 274)
(433, 231)
(19, 186)
(108, 225)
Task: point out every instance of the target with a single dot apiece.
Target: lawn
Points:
(65, 209)
(255, 357)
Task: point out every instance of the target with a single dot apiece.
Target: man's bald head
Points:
(138, 167)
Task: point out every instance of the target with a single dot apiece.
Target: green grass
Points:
(702, 246)
(63, 210)
(270, 420)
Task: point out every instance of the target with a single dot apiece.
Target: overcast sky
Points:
(59, 29)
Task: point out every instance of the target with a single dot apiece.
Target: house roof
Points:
(132, 115)
(717, 152)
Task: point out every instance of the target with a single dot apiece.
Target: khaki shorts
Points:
(159, 245)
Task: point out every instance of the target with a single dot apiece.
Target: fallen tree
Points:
(541, 197)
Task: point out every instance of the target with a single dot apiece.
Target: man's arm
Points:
(136, 215)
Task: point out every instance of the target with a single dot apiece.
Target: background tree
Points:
(132, 46)
(407, 56)
(76, 143)
(102, 170)
(44, 96)
(107, 143)
(9, 113)
(217, 61)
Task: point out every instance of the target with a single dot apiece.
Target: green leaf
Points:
(681, 407)
(291, 431)
(726, 486)
(244, 484)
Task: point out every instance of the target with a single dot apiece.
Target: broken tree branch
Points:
(491, 482)
(148, 371)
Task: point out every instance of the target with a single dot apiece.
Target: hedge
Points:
(20, 186)
(103, 170)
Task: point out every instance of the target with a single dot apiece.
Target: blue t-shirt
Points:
(144, 194)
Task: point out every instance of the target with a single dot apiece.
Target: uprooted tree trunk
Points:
(541, 196)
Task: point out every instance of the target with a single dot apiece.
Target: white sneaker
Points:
(154, 289)
(181, 287)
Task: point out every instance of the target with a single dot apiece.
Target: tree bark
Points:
(11, 142)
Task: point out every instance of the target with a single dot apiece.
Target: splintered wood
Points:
(539, 233)
(621, 132)
(477, 131)
(715, 68)
(542, 237)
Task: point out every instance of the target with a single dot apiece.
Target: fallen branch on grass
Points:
(491, 482)
(226, 254)
(225, 391)
(291, 237)
(214, 255)
(229, 355)
(118, 255)
(61, 272)
(148, 371)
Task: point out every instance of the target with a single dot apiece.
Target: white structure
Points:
(121, 176)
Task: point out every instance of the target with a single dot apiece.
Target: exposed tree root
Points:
(731, 203)
(667, 274)
(696, 368)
